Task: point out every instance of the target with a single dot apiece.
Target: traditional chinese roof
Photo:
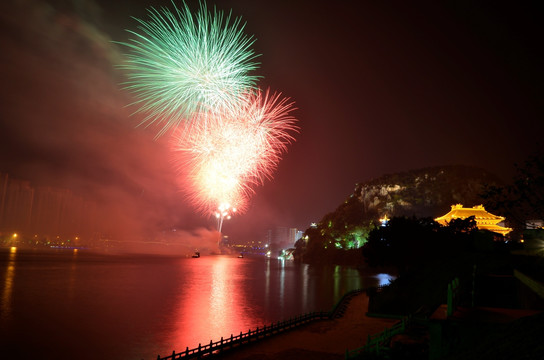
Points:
(484, 219)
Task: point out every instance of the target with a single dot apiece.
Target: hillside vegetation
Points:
(421, 193)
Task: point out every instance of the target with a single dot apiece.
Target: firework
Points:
(180, 65)
(233, 150)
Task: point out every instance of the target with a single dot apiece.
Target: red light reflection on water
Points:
(6, 305)
(211, 308)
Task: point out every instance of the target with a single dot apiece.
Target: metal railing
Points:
(260, 333)
(378, 343)
(245, 338)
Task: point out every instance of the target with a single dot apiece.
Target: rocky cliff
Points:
(424, 192)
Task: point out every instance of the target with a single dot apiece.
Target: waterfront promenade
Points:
(319, 340)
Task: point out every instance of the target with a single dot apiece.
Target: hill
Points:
(423, 192)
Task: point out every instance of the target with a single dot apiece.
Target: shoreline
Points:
(323, 339)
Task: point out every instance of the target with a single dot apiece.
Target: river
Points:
(76, 304)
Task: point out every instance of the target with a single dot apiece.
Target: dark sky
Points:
(380, 87)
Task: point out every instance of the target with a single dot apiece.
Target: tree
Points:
(523, 198)
(402, 243)
(406, 243)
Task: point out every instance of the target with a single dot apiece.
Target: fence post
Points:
(173, 354)
(199, 346)
(158, 357)
(187, 351)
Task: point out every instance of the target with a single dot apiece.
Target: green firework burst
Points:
(180, 64)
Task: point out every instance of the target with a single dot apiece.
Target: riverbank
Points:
(503, 312)
(320, 340)
(489, 332)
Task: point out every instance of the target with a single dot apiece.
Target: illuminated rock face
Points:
(427, 192)
(484, 219)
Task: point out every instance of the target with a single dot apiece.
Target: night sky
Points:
(380, 86)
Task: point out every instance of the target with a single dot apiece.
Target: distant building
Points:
(283, 237)
(484, 219)
(534, 224)
(45, 213)
(294, 235)
(280, 238)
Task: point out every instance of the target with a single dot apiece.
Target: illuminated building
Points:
(484, 219)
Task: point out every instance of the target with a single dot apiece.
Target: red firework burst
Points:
(225, 156)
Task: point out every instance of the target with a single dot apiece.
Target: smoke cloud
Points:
(64, 123)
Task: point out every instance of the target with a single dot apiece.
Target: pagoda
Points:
(484, 219)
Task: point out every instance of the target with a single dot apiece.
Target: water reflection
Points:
(384, 279)
(8, 285)
(267, 284)
(336, 278)
(211, 305)
(223, 296)
(305, 280)
(281, 271)
(138, 307)
(72, 279)
(345, 279)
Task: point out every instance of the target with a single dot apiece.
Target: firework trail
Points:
(234, 150)
(180, 65)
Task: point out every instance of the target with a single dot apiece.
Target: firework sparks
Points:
(192, 74)
(180, 65)
(234, 150)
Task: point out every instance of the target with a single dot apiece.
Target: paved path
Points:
(319, 340)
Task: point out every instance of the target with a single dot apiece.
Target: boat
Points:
(196, 254)
(241, 255)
